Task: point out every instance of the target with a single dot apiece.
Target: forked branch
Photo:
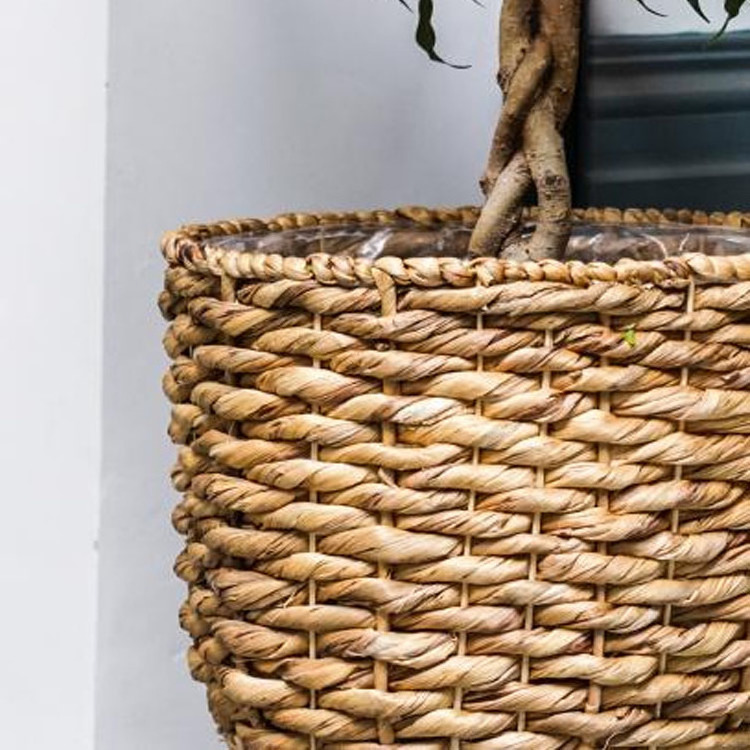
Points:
(539, 43)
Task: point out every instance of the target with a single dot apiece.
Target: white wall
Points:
(52, 72)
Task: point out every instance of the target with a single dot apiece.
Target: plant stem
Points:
(538, 63)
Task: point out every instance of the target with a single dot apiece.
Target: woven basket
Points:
(437, 503)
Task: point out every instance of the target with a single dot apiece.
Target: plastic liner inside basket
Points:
(601, 242)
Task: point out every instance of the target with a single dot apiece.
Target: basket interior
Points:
(604, 242)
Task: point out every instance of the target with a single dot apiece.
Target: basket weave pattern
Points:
(441, 503)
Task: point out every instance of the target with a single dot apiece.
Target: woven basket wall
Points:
(442, 503)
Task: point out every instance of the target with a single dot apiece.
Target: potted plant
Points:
(464, 478)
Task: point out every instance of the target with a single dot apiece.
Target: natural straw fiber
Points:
(442, 502)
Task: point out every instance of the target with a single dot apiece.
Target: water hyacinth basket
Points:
(446, 503)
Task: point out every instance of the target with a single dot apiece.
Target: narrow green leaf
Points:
(426, 36)
(628, 336)
(406, 5)
(732, 9)
(696, 6)
(647, 7)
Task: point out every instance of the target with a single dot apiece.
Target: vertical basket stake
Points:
(389, 302)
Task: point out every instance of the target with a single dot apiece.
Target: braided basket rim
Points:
(191, 247)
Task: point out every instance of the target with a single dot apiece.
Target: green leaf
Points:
(406, 5)
(426, 37)
(696, 6)
(628, 336)
(647, 7)
(732, 8)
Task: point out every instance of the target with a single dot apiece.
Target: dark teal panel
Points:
(665, 121)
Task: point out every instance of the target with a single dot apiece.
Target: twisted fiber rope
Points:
(478, 518)
(192, 249)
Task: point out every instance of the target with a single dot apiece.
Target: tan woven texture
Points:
(443, 503)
